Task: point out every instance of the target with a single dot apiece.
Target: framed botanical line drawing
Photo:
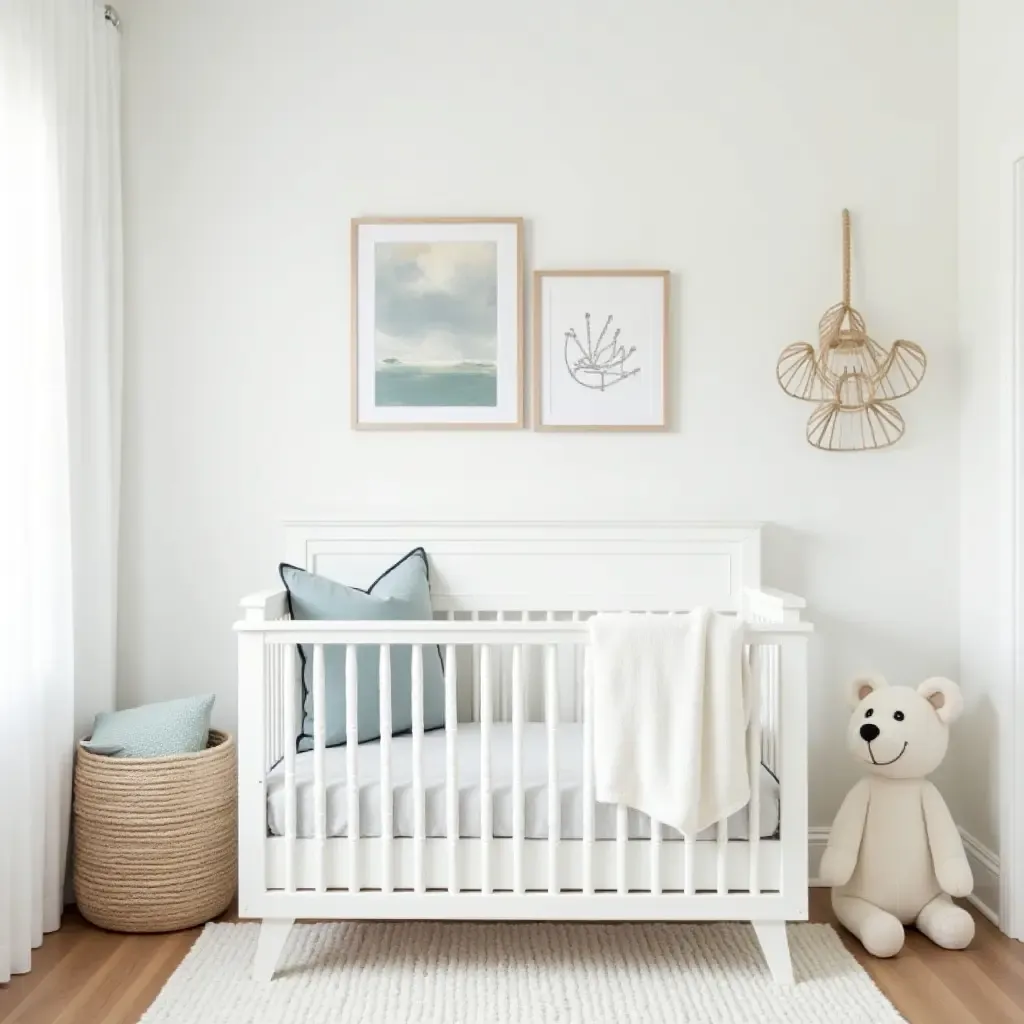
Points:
(437, 322)
(600, 356)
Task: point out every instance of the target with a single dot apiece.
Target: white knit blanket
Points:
(669, 695)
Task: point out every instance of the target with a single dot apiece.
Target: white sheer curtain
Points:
(60, 396)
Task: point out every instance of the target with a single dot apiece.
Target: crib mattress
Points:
(535, 787)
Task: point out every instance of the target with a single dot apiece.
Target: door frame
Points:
(1011, 702)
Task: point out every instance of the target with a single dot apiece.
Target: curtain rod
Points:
(110, 13)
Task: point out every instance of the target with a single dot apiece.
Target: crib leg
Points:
(775, 946)
(270, 946)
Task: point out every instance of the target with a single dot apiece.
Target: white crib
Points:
(511, 602)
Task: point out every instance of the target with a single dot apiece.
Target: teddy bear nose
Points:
(869, 732)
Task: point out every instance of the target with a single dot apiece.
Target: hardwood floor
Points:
(983, 984)
(85, 976)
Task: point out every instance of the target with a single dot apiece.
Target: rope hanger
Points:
(846, 258)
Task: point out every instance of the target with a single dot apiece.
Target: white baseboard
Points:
(985, 867)
(984, 864)
(817, 839)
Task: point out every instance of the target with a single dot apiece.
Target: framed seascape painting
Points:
(437, 322)
(600, 358)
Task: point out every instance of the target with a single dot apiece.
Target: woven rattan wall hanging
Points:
(852, 379)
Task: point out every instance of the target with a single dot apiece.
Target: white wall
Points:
(718, 140)
(991, 101)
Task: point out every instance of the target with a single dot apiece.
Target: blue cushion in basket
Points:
(401, 594)
(153, 730)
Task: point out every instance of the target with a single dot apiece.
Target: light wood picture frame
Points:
(601, 349)
(437, 323)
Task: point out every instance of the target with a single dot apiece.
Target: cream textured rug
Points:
(450, 973)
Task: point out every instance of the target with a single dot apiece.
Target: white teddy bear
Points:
(894, 856)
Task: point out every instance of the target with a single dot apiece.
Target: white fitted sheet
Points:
(570, 779)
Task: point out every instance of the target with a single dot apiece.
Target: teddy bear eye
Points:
(898, 715)
(869, 712)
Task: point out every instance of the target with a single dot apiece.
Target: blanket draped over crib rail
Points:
(670, 715)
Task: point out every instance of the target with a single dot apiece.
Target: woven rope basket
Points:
(155, 838)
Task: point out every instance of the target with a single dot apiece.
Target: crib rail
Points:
(455, 875)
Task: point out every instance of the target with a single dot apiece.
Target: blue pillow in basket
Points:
(401, 594)
(153, 730)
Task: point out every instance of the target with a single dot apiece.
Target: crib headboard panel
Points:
(560, 566)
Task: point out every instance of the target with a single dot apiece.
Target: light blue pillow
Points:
(153, 730)
(402, 593)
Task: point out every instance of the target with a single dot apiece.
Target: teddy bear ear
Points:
(943, 695)
(862, 686)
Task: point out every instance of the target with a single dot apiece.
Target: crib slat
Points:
(273, 697)
(319, 780)
(500, 700)
(351, 762)
(551, 718)
(773, 658)
(553, 617)
(689, 886)
(577, 686)
(273, 662)
(275, 712)
(279, 716)
(451, 776)
(621, 835)
(387, 797)
(518, 810)
(419, 822)
(485, 769)
(721, 847)
(776, 717)
(754, 767)
(282, 741)
(588, 777)
(268, 680)
(475, 681)
(655, 857)
(290, 737)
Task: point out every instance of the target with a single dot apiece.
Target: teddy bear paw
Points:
(954, 876)
(837, 866)
(882, 935)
